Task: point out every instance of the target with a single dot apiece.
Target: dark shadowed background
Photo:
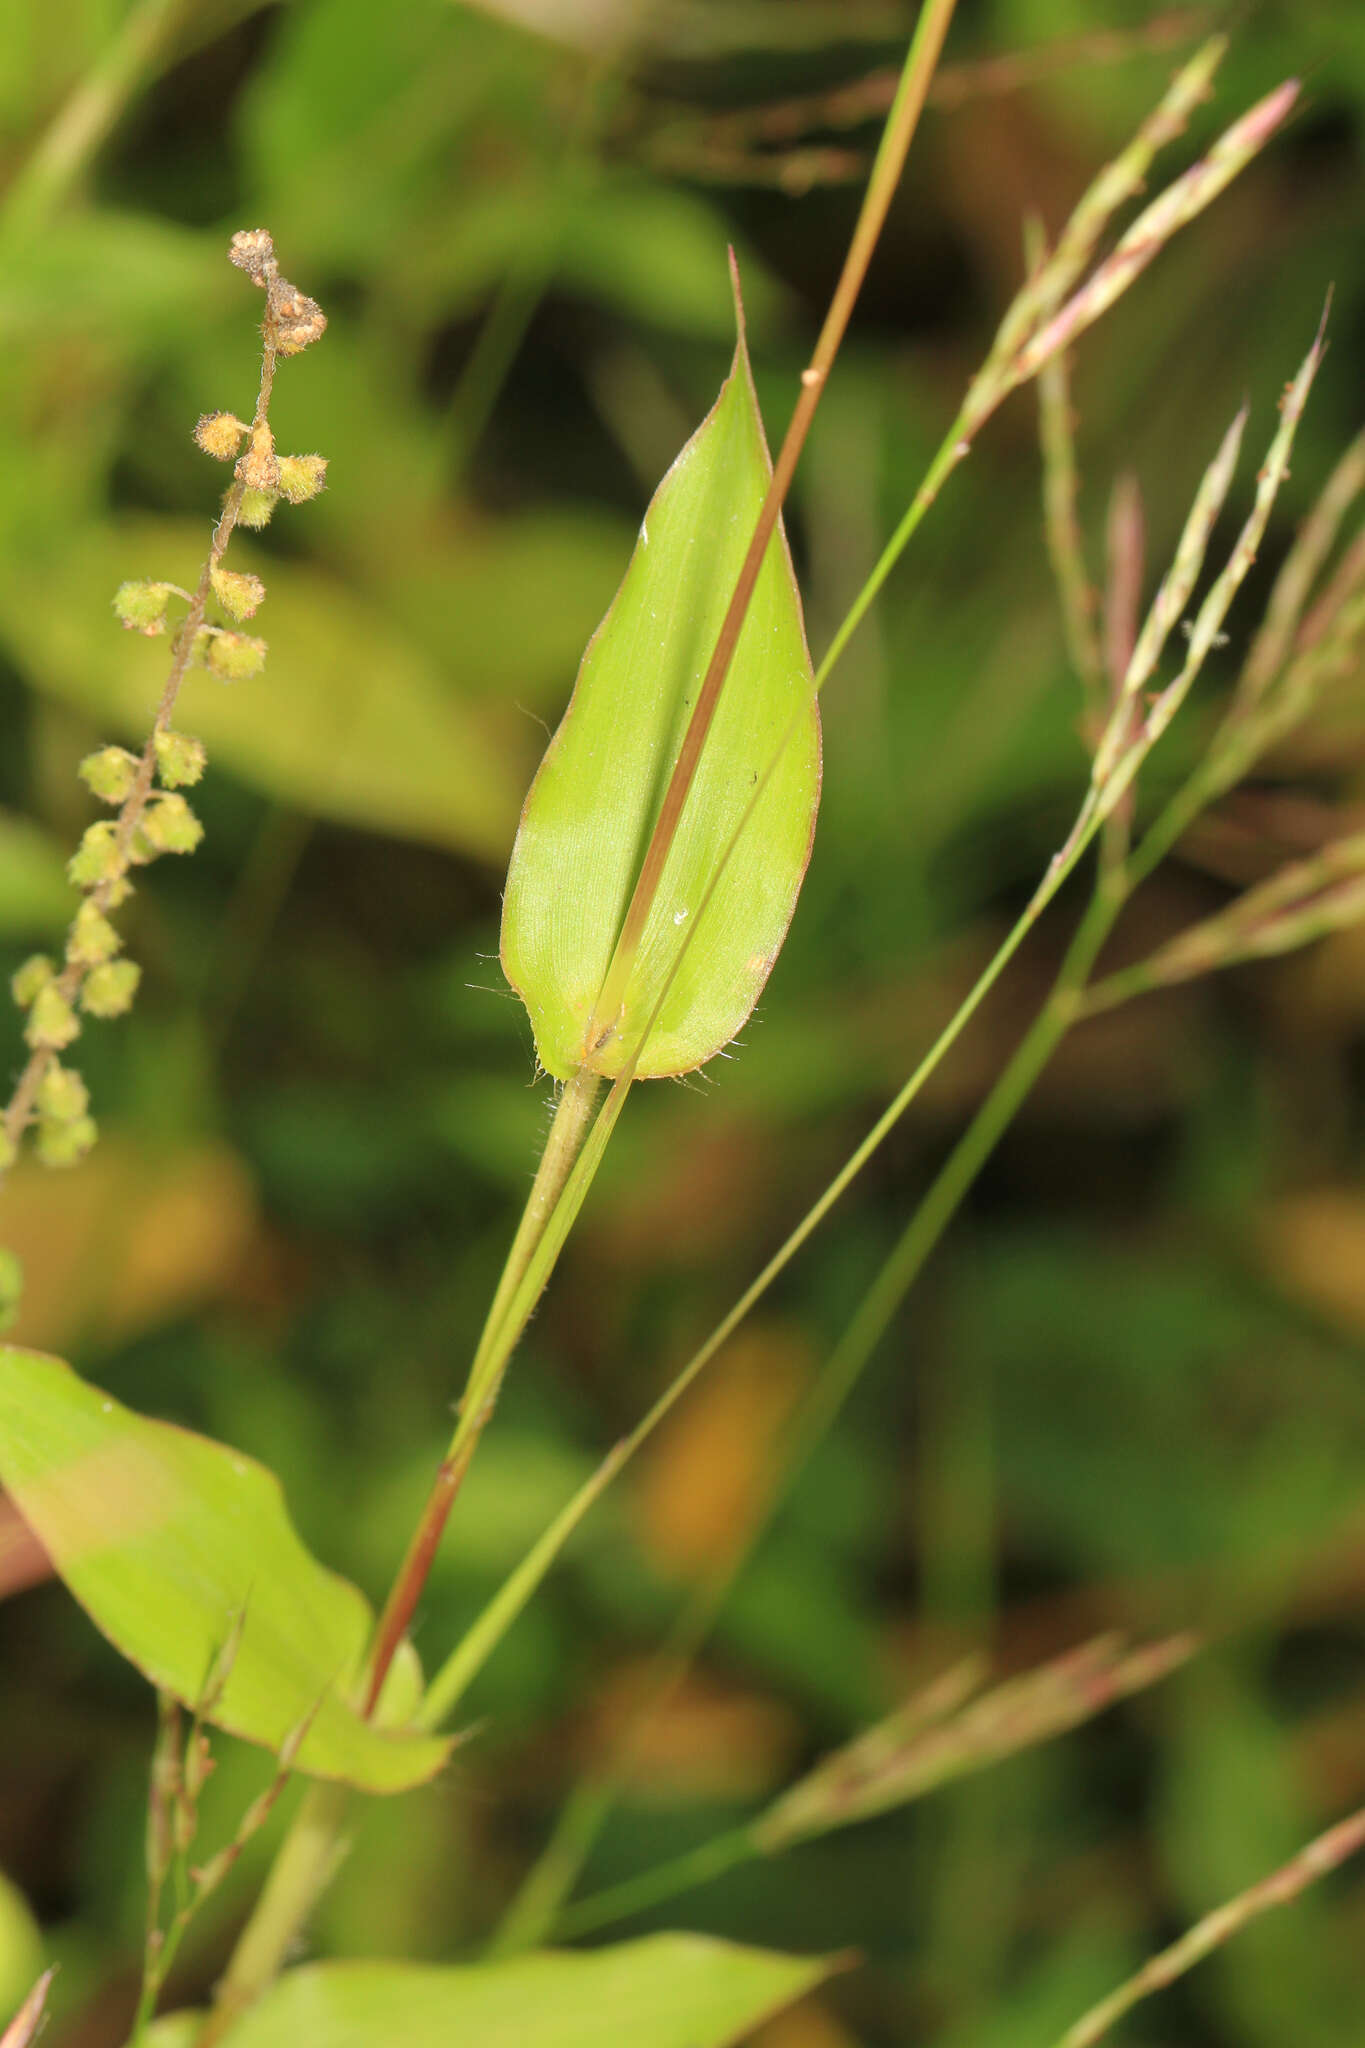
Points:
(1128, 1393)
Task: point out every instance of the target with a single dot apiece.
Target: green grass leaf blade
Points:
(597, 795)
(182, 1554)
(666, 1991)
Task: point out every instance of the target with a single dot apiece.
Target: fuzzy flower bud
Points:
(171, 826)
(252, 250)
(302, 477)
(141, 605)
(65, 1144)
(299, 320)
(179, 759)
(258, 468)
(52, 1023)
(26, 981)
(219, 434)
(109, 773)
(109, 990)
(256, 508)
(237, 592)
(96, 858)
(234, 656)
(11, 1272)
(93, 939)
(62, 1095)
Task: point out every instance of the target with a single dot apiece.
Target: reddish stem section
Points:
(406, 1590)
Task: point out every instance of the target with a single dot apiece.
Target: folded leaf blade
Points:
(182, 1554)
(699, 970)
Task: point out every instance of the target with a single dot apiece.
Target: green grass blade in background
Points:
(668, 1991)
(35, 897)
(596, 797)
(351, 721)
(166, 1539)
(21, 1947)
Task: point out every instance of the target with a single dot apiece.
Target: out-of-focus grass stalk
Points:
(1322, 1855)
(1329, 645)
(1173, 594)
(952, 1728)
(1125, 538)
(1298, 574)
(505, 326)
(1043, 319)
(1176, 207)
(1300, 903)
(1122, 751)
(944, 1732)
(85, 118)
(23, 2028)
(740, 145)
(1061, 528)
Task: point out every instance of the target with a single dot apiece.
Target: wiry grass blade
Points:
(1173, 594)
(1119, 758)
(916, 1750)
(1303, 902)
(1325, 1854)
(1174, 209)
(1299, 573)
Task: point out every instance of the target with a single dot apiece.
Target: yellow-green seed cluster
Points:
(265, 476)
(92, 978)
(152, 816)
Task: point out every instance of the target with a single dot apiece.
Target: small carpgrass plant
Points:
(657, 866)
(94, 977)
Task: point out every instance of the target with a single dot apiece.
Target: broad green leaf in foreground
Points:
(595, 800)
(667, 1991)
(175, 1545)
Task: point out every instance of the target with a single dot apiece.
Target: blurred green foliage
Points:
(1129, 1392)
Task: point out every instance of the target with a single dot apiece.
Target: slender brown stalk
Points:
(412, 1576)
